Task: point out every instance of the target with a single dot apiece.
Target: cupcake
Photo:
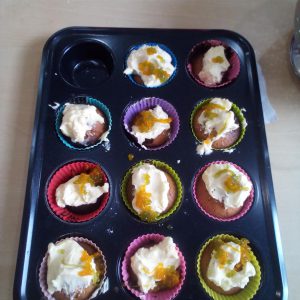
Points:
(73, 268)
(151, 190)
(83, 123)
(223, 191)
(218, 124)
(228, 269)
(152, 123)
(153, 268)
(213, 64)
(150, 65)
(78, 191)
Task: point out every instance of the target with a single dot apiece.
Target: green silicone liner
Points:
(236, 111)
(164, 167)
(250, 289)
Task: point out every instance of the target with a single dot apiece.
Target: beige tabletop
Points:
(26, 25)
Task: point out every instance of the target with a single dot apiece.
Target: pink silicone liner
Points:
(247, 204)
(64, 174)
(138, 243)
(231, 74)
(43, 268)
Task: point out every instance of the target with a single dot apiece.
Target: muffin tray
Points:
(83, 61)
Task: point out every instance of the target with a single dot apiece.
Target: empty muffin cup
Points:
(76, 212)
(86, 64)
(195, 63)
(151, 123)
(95, 134)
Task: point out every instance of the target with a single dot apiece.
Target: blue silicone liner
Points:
(163, 47)
(81, 100)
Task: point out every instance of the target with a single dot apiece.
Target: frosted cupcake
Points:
(218, 124)
(213, 64)
(151, 190)
(73, 268)
(150, 65)
(153, 267)
(152, 123)
(83, 123)
(228, 269)
(78, 191)
(223, 191)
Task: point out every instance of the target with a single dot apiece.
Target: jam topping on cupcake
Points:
(156, 268)
(151, 191)
(151, 127)
(229, 266)
(82, 189)
(84, 124)
(226, 184)
(151, 64)
(72, 271)
(215, 64)
(216, 125)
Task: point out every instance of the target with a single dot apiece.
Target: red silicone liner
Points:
(64, 174)
(138, 243)
(247, 204)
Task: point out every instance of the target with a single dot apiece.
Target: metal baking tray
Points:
(116, 227)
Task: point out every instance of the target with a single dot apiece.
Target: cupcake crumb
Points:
(55, 106)
(243, 109)
(106, 145)
(178, 161)
(170, 227)
(130, 156)
(229, 150)
(55, 74)
(109, 231)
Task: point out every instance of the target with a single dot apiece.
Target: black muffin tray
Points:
(83, 61)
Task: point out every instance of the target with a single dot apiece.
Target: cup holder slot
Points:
(86, 64)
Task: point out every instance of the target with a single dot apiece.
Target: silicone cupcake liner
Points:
(251, 288)
(64, 174)
(231, 74)
(238, 113)
(43, 268)
(163, 47)
(81, 100)
(164, 167)
(247, 204)
(143, 241)
(149, 103)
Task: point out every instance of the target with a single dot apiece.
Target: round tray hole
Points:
(86, 64)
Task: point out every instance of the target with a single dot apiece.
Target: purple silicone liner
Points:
(142, 241)
(43, 268)
(231, 74)
(148, 103)
(247, 204)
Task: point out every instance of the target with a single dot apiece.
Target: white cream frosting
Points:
(161, 60)
(219, 273)
(222, 123)
(157, 128)
(63, 267)
(78, 119)
(158, 186)
(145, 260)
(212, 71)
(216, 187)
(68, 193)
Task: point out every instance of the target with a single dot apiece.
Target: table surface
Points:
(26, 25)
